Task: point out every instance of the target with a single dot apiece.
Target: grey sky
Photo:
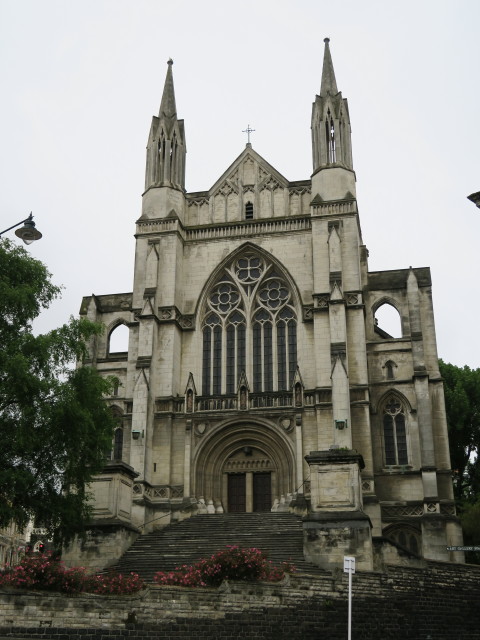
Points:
(81, 80)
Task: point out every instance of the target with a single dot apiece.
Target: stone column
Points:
(337, 525)
(111, 531)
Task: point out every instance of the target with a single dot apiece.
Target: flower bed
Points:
(232, 563)
(43, 572)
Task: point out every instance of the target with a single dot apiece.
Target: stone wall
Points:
(440, 602)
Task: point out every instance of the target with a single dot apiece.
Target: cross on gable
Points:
(248, 131)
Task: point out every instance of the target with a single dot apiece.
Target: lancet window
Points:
(249, 325)
(330, 136)
(394, 432)
(117, 444)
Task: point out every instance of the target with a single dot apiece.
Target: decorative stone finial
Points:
(326, 40)
(170, 62)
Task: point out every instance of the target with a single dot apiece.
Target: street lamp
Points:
(27, 233)
(475, 198)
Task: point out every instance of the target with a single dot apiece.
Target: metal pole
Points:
(29, 219)
(350, 605)
(349, 567)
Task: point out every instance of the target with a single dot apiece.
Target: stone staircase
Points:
(278, 534)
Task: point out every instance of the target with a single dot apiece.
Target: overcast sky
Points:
(81, 79)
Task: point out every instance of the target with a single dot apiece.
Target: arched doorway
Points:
(244, 467)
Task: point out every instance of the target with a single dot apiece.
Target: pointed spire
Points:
(329, 84)
(168, 108)
(166, 147)
(331, 134)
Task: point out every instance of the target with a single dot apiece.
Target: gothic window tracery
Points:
(406, 537)
(249, 325)
(394, 432)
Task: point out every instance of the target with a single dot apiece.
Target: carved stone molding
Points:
(298, 191)
(186, 322)
(197, 201)
(200, 428)
(353, 299)
(307, 313)
(286, 423)
(166, 313)
(321, 301)
(401, 511)
(334, 224)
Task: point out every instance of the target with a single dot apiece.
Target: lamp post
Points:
(475, 198)
(27, 233)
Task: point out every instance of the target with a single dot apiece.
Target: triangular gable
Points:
(243, 382)
(231, 174)
(190, 384)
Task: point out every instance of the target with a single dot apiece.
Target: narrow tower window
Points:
(389, 366)
(249, 211)
(118, 444)
(394, 433)
(330, 135)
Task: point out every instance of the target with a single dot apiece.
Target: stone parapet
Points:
(440, 601)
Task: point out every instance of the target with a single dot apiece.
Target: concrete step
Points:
(279, 535)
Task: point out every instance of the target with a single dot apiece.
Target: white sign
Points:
(348, 564)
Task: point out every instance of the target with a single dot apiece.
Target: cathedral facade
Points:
(256, 376)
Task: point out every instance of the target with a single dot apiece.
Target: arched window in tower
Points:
(330, 138)
(173, 154)
(390, 367)
(118, 340)
(394, 432)
(388, 324)
(161, 155)
(117, 444)
(249, 325)
(249, 211)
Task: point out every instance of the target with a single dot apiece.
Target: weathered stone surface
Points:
(253, 341)
(439, 602)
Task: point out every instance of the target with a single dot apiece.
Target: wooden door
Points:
(237, 498)
(262, 491)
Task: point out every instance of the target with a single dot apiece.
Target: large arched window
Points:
(118, 340)
(249, 325)
(394, 432)
(388, 323)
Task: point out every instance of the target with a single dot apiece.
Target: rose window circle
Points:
(393, 406)
(249, 268)
(224, 298)
(274, 294)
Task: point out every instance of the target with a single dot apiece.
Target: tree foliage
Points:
(54, 424)
(462, 400)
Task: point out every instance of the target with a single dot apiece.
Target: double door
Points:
(251, 491)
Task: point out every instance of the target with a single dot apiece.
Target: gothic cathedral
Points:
(257, 377)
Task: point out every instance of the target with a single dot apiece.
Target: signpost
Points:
(349, 567)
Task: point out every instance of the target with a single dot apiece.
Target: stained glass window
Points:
(250, 325)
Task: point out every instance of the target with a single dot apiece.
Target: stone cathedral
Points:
(257, 377)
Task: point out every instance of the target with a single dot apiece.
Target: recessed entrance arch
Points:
(244, 466)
